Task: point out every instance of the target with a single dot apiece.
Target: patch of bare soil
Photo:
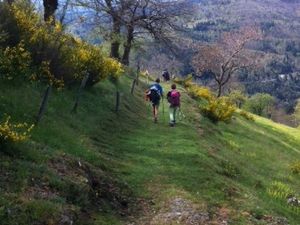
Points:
(180, 211)
(183, 212)
(40, 192)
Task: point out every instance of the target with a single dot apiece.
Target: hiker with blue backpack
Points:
(155, 94)
(173, 97)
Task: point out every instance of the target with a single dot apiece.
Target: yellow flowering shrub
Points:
(89, 59)
(15, 62)
(198, 92)
(218, 109)
(11, 133)
(113, 68)
(247, 115)
(43, 74)
(47, 54)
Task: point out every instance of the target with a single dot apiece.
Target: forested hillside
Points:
(279, 21)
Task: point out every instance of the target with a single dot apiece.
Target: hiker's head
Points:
(157, 80)
(173, 86)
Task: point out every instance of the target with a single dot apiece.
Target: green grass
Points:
(225, 165)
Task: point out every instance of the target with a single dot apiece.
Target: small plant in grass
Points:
(229, 170)
(42, 212)
(295, 167)
(247, 115)
(13, 133)
(279, 190)
(257, 213)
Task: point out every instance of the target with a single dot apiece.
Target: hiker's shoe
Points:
(172, 124)
(155, 120)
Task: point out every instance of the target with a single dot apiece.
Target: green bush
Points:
(295, 167)
(8, 27)
(238, 98)
(259, 104)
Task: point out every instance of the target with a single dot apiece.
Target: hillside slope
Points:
(99, 167)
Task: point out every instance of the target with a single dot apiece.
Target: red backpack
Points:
(174, 98)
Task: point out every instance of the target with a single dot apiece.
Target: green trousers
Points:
(172, 113)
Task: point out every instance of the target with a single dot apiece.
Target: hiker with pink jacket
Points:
(173, 97)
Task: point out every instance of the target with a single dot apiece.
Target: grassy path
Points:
(216, 168)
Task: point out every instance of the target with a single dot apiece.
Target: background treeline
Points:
(279, 71)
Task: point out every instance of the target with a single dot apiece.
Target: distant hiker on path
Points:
(166, 75)
(155, 94)
(173, 97)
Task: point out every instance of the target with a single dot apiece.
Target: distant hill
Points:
(280, 22)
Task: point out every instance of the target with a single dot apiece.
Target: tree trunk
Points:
(138, 69)
(50, 7)
(115, 44)
(127, 45)
(220, 89)
(10, 1)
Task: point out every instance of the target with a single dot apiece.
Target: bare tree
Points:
(225, 58)
(107, 12)
(157, 18)
(138, 17)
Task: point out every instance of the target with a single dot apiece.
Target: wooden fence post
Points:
(82, 86)
(132, 86)
(117, 101)
(136, 80)
(138, 72)
(44, 104)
